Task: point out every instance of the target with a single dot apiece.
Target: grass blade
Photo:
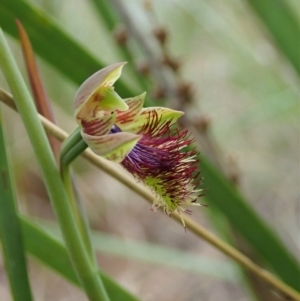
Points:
(245, 220)
(48, 249)
(10, 231)
(52, 43)
(283, 25)
(155, 254)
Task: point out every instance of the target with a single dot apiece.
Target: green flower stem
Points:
(78, 212)
(87, 274)
(69, 143)
(71, 148)
(10, 232)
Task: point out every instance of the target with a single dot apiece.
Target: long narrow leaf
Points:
(223, 196)
(283, 25)
(50, 251)
(155, 254)
(51, 42)
(10, 231)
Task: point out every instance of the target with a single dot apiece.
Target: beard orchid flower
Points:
(143, 140)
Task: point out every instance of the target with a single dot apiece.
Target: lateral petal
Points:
(114, 147)
(135, 105)
(161, 114)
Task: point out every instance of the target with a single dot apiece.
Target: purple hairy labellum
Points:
(143, 140)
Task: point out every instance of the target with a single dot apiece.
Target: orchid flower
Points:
(143, 140)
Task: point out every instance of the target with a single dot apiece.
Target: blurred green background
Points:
(248, 89)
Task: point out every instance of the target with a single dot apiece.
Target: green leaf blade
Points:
(10, 231)
(245, 220)
(52, 43)
(283, 25)
(51, 252)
